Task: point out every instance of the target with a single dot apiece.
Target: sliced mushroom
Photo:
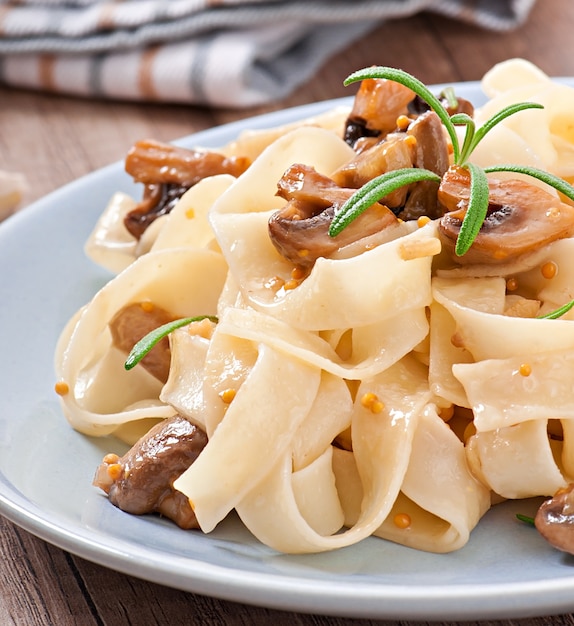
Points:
(521, 218)
(142, 480)
(555, 520)
(152, 162)
(300, 231)
(168, 171)
(313, 190)
(135, 321)
(395, 152)
(157, 200)
(376, 107)
(431, 153)
(431, 147)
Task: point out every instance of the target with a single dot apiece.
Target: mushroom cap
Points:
(521, 218)
(555, 520)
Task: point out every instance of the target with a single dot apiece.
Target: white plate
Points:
(506, 570)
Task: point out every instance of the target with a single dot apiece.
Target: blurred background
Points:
(81, 81)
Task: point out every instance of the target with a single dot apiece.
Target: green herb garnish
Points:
(449, 95)
(554, 315)
(525, 518)
(146, 343)
(477, 209)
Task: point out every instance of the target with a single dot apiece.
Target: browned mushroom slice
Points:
(395, 152)
(376, 107)
(168, 171)
(304, 184)
(153, 162)
(157, 200)
(431, 146)
(521, 218)
(142, 480)
(431, 153)
(135, 321)
(555, 520)
(300, 231)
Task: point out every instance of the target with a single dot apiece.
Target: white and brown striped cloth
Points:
(215, 52)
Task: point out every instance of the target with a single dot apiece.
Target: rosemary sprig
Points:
(374, 190)
(474, 219)
(478, 201)
(449, 95)
(146, 343)
(559, 312)
(507, 111)
(546, 177)
(525, 518)
(414, 84)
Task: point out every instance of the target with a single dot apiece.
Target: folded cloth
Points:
(214, 52)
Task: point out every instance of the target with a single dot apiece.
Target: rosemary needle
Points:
(146, 343)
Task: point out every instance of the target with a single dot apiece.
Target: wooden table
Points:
(54, 140)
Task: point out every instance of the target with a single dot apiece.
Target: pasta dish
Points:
(329, 364)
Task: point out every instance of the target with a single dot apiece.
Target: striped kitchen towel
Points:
(215, 52)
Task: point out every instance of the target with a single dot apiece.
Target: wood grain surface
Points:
(54, 140)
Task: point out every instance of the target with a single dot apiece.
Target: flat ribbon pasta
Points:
(381, 448)
(516, 461)
(505, 392)
(257, 428)
(477, 307)
(240, 217)
(443, 500)
(372, 348)
(187, 223)
(110, 244)
(102, 394)
(548, 132)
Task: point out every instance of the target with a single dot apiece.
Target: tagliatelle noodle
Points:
(228, 363)
(517, 461)
(522, 377)
(251, 143)
(547, 132)
(197, 381)
(331, 415)
(488, 334)
(240, 217)
(560, 289)
(511, 74)
(252, 435)
(502, 394)
(443, 354)
(113, 247)
(468, 325)
(102, 394)
(110, 244)
(443, 500)
(183, 389)
(373, 348)
(187, 225)
(504, 145)
(516, 374)
(381, 446)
